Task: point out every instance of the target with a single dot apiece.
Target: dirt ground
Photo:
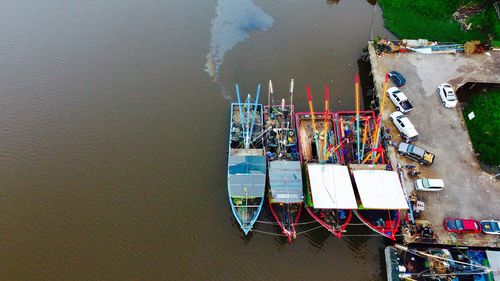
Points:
(469, 192)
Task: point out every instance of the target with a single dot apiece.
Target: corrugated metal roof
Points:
(285, 180)
(247, 176)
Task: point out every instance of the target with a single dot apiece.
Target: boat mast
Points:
(311, 109)
(357, 115)
(291, 95)
(254, 113)
(327, 111)
(242, 118)
(379, 123)
(247, 125)
(269, 91)
(365, 132)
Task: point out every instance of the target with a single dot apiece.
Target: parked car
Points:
(397, 78)
(399, 99)
(491, 227)
(429, 184)
(447, 95)
(404, 126)
(462, 225)
(416, 153)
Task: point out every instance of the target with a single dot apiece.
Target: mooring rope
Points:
(270, 233)
(275, 223)
(305, 231)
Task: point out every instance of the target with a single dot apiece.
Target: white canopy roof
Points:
(380, 189)
(494, 260)
(331, 186)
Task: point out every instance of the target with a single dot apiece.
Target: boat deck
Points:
(306, 135)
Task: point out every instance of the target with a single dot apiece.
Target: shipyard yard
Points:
(469, 192)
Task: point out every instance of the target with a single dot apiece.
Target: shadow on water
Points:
(231, 25)
(370, 100)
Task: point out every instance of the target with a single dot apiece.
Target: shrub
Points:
(484, 129)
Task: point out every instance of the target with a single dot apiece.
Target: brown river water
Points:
(114, 119)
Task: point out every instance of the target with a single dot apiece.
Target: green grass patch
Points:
(484, 129)
(433, 20)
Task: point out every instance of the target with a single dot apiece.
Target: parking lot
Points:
(469, 192)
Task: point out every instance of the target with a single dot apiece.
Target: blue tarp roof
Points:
(247, 176)
(285, 180)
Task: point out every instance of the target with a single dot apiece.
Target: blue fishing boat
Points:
(246, 171)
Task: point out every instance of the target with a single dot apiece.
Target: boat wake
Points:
(235, 18)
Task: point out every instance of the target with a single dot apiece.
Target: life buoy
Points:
(291, 133)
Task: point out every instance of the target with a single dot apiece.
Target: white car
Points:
(429, 184)
(447, 95)
(399, 99)
(404, 126)
(490, 227)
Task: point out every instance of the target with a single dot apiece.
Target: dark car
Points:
(462, 225)
(397, 78)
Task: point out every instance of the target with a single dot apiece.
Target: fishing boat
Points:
(379, 188)
(285, 177)
(246, 172)
(442, 262)
(329, 194)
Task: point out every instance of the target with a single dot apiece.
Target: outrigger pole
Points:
(356, 87)
(254, 112)
(269, 90)
(242, 120)
(311, 109)
(365, 132)
(379, 123)
(325, 130)
(247, 119)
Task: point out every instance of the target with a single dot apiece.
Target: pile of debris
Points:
(383, 45)
(464, 12)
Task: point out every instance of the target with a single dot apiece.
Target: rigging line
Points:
(329, 195)
(267, 222)
(367, 235)
(420, 253)
(466, 255)
(309, 222)
(265, 232)
(305, 231)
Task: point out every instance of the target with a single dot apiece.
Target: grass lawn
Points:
(484, 129)
(433, 20)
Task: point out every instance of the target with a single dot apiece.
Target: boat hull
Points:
(247, 165)
(388, 228)
(287, 216)
(284, 172)
(336, 229)
(328, 218)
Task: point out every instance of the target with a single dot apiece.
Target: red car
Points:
(462, 225)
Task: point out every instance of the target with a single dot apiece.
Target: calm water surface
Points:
(114, 119)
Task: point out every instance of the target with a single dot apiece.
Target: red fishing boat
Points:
(329, 195)
(379, 187)
(284, 173)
